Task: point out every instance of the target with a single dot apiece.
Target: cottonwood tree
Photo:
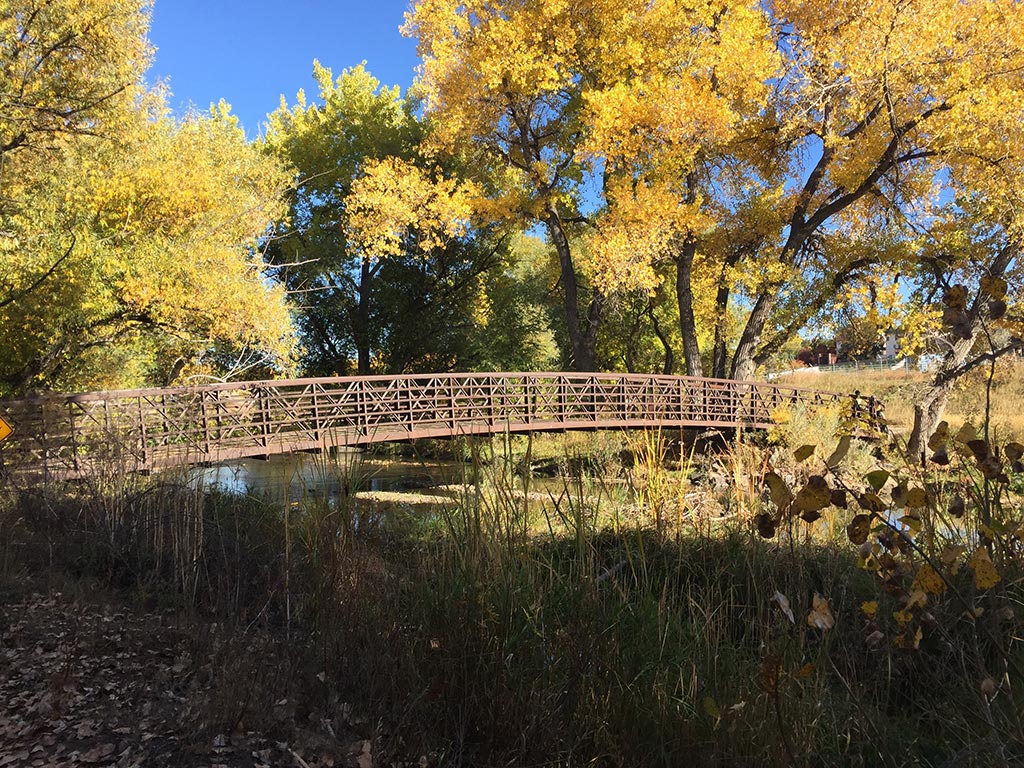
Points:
(327, 142)
(416, 221)
(502, 85)
(671, 100)
(378, 252)
(883, 105)
(972, 280)
(873, 108)
(606, 103)
(165, 219)
(127, 236)
(67, 71)
(775, 154)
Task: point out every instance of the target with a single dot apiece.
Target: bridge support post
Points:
(206, 424)
(317, 434)
(362, 427)
(264, 407)
(491, 390)
(142, 435)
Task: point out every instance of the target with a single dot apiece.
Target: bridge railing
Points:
(147, 429)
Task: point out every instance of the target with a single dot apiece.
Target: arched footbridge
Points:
(148, 429)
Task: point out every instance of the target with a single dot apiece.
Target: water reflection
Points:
(303, 475)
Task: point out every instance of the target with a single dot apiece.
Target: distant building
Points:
(820, 354)
(892, 347)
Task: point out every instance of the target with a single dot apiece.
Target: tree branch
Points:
(991, 355)
(19, 295)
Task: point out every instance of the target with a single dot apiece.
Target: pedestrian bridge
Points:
(149, 429)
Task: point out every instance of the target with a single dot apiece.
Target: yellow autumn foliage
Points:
(129, 244)
(396, 200)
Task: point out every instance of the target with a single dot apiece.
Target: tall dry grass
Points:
(899, 390)
(581, 622)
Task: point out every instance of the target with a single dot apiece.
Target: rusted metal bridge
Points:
(149, 429)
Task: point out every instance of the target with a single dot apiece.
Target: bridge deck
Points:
(148, 429)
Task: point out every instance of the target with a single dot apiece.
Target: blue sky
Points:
(249, 52)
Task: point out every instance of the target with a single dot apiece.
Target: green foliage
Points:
(325, 144)
(434, 304)
(513, 315)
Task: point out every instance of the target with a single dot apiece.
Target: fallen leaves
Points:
(85, 685)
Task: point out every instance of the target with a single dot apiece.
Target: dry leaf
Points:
(804, 452)
(928, 580)
(98, 754)
(820, 617)
(874, 640)
(917, 498)
(814, 496)
(858, 529)
(779, 491)
(711, 708)
(365, 759)
(871, 502)
(939, 437)
(899, 495)
(966, 434)
(988, 687)
(877, 479)
(955, 297)
(985, 573)
(833, 461)
(765, 525)
(783, 602)
(957, 507)
(806, 670)
(993, 286)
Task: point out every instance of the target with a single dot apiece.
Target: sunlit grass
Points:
(900, 389)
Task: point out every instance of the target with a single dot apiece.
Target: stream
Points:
(301, 475)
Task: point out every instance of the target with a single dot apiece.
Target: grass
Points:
(899, 390)
(580, 621)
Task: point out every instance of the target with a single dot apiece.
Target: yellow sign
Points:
(5, 430)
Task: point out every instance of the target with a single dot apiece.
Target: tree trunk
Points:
(927, 414)
(583, 341)
(595, 314)
(361, 327)
(929, 410)
(670, 358)
(684, 297)
(721, 352)
(743, 363)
